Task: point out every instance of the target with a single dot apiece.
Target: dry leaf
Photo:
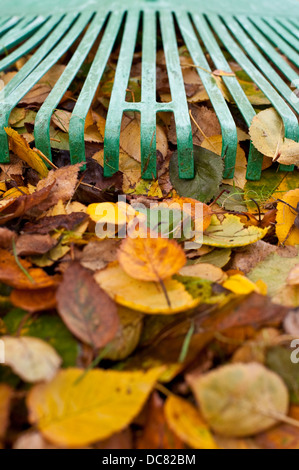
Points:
(144, 296)
(31, 358)
(12, 275)
(241, 399)
(287, 233)
(20, 147)
(151, 259)
(267, 134)
(85, 308)
(186, 422)
(34, 300)
(5, 398)
(99, 403)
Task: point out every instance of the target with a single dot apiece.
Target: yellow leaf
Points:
(151, 259)
(76, 409)
(20, 147)
(231, 232)
(31, 358)
(214, 144)
(286, 232)
(106, 213)
(144, 296)
(14, 193)
(186, 422)
(240, 285)
(130, 140)
(204, 271)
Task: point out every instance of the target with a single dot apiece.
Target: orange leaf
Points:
(151, 259)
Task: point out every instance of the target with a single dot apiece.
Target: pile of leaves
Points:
(158, 340)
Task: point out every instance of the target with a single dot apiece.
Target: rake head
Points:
(262, 37)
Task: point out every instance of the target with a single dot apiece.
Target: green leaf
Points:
(231, 232)
(218, 257)
(279, 361)
(208, 175)
(47, 327)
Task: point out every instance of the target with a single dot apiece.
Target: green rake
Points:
(259, 35)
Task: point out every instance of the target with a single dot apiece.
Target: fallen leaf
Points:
(293, 276)
(186, 422)
(286, 229)
(97, 411)
(34, 300)
(156, 433)
(251, 255)
(274, 269)
(50, 224)
(96, 255)
(12, 275)
(267, 134)
(205, 118)
(130, 140)
(127, 336)
(63, 182)
(31, 358)
(208, 169)
(151, 259)
(6, 238)
(204, 271)
(214, 144)
(6, 394)
(47, 327)
(85, 308)
(20, 147)
(144, 296)
(241, 399)
(240, 285)
(278, 359)
(28, 245)
(231, 232)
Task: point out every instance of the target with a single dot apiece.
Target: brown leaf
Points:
(30, 245)
(12, 275)
(49, 224)
(34, 300)
(5, 399)
(63, 181)
(85, 308)
(206, 120)
(6, 238)
(156, 434)
(96, 255)
(17, 207)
